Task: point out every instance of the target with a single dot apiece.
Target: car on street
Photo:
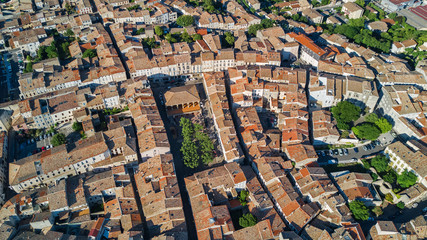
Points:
(345, 151)
(340, 152)
(336, 152)
(28, 141)
(356, 150)
(323, 153)
(331, 152)
(415, 205)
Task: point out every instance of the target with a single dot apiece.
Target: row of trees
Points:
(196, 144)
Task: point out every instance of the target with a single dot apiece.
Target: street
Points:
(179, 167)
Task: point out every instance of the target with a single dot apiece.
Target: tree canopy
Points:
(366, 131)
(77, 127)
(229, 38)
(196, 144)
(243, 196)
(359, 210)
(345, 112)
(90, 53)
(384, 125)
(247, 220)
(380, 163)
(372, 118)
(406, 179)
(58, 139)
(159, 31)
(185, 20)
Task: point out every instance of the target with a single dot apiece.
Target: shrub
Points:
(389, 197)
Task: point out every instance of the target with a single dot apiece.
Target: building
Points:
(309, 51)
(57, 163)
(400, 47)
(324, 130)
(397, 5)
(182, 100)
(357, 186)
(411, 157)
(383, 230)
(352, 10)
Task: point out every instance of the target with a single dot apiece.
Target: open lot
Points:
(353, 154)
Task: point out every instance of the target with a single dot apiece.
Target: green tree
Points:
(325, 2)
(374, 176)
(58, 139)
(196, 37)
(52, 51)
(377, 211)
(253, 29)
(366, 131)
(400, 205)
(186, 37)
(406, 179)
(69, 33)
(345, 112)
(360, 3)
(28, 67)
(134, 7)
(159, 31)
(77, 126)
(390, 177)
(384, 125)
(64, 51)
(267, 23)
(372, 118)
(170, 38)
(90, 53)
(209, 6)
(247, 220)
(140, 31)
(69, 8)
(229, 38)
(243, 197)
(380, 163)
(359, 210)
(389, 197)
(185, 20)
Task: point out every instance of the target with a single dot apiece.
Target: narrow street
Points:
(179, 168)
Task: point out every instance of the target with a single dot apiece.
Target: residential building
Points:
(412, 158)
(352, 10)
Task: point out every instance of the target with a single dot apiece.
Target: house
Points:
(384, 230)
(42, 220)
(411, 157)
(301, 154)
(400, 47)
(352, 10)
(309, 51)
(324, 130)
(333, 20)
(255, 4)
(313, 16)
(378, 26)
(357, 186)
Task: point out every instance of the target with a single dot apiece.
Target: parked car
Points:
(29, 141)
(414, 205)
(32, 140)
(340, 151)
(336, 152)
(43, 148)
(365, 148)
(331, 152)
(356, 150)
(323, 153)
(345, 151)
